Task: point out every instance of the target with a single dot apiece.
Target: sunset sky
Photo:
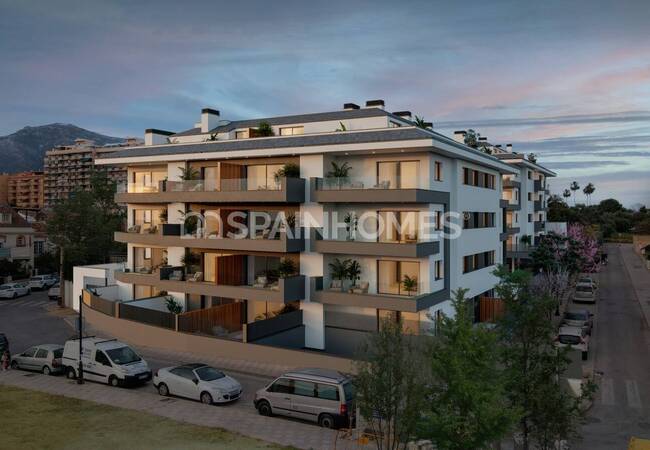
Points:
(569, 81)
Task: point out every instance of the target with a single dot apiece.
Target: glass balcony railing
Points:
(368, 182)
(205, 185)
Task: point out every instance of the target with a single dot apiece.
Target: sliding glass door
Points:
(398, 226)
(391, 276)
(397, 174)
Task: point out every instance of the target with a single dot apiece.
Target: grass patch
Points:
(36, 420)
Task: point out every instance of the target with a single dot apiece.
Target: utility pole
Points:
(80, 374)
(61, 279)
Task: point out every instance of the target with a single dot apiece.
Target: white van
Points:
(107, 361)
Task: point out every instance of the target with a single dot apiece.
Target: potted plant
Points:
(286, 268)
(190, 260)
(264, 129)
(163, 215)
(190, 222)
(189, 173)
(339, 270)
(354, 272)
(289, 170)
(351, 222)
(339, 175)
(172, 305)
(410, 284)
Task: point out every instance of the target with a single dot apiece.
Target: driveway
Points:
(622, 405)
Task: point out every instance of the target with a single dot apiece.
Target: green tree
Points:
(588, 190)
(389, 382)
(566, 194)
(534, 365)
(466, 403)
(265, 129)
(472, 138)
(421, 123)
(574, 187)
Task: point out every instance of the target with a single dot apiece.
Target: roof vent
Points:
(403, 114)
(348, 106)
(375, 104)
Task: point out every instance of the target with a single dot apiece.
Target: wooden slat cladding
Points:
(491, 309)
(231, 270)
(228, 317)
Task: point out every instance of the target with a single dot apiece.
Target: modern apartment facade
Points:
(68, 168)
(370, 187)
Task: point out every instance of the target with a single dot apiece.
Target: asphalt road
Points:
(27, 321)
(622, 405)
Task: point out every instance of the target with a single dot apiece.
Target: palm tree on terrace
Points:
(421, 123)
(574, 187)
(566, 194)
(588, 190)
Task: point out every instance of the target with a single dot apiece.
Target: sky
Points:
(567, 80)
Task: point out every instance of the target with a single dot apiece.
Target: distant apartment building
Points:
(25, 190)
(69, 168)
(16, 237)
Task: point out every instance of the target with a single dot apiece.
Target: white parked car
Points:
(42, 282)
(44, 358)
(198, 382)
(584, 293)
(586, 279)
(13, 290)
(55, 292)
(107, 361)
(576, 337)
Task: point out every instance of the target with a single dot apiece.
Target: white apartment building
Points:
(362, 162)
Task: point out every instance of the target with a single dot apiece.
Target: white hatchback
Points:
(198, 382)
(13, 290)
(42, 282)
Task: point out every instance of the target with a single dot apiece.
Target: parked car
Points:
(198, 382)
(13, 290)
(4, 343)
(319, 395)
(45, 358)
(107, 361)
(42, 282)
(55, 292)
(587, 279)
(579, 318)
(575, 337)
(584, 293)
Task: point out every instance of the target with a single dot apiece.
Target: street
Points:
(622, 404)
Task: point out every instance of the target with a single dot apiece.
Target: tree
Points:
(466, 404)
(339, 269)
(189, 173)
(532, 157)
(264, 129)
(339, 172)
(289, 170)
(574, 187)
(567, 193)
(421, 123)
(588, 190)
(534, 365)
(471, 138)
(389, 382)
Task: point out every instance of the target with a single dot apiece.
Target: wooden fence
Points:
(228, 317)
(490, 308)
(99, 304)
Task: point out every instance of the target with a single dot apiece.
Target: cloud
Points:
(583, 164)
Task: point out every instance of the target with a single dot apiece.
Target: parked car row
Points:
(318, 395)
(577, 323)
(17, 289)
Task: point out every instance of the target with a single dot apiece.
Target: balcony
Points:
(287, 289)
(406, 303)
(539, 206)
(169, 235)
(519, 250)
(508, 183)
(369, 190)
(539, 185)
(415, 249)
(509, 231)
(540, 226)
(509, 204)
(239, 190)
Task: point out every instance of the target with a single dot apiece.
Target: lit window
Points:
(241, 134)
(292, 131)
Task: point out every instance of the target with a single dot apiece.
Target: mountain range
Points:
(24, 150)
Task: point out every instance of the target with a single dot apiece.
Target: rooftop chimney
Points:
(153, 136)
(483, 138)
(459, 136)
(375, 104)
(509, 148)
(403, 114)
(348, 106)
(209, 119)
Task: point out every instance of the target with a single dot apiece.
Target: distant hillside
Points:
(24, 149)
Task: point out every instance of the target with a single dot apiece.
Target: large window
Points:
(292, 131)
(146, 180)
(391, 276)
(397, 174)
(478, 220)
(478, 261)
(437, 174)
(398, 226)
(477, 178)
(262, 177)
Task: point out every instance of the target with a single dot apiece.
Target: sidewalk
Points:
(271, 429)
(639, 277)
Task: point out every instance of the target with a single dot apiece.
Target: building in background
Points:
(25, 190)
(16, 237)
(69, 168)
